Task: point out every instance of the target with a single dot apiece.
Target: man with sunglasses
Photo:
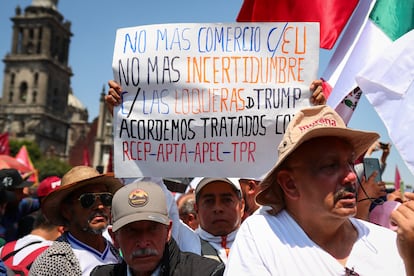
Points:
(310, 228)
(82, 204)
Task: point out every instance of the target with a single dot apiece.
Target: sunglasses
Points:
(87, 200)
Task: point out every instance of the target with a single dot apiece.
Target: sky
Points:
(94, 24)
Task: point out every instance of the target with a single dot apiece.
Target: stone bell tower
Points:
(36, 84)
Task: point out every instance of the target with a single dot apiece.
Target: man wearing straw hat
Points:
(310, 228)
(82, 204)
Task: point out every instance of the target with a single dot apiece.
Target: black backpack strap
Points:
(14, 252)
(26, 263)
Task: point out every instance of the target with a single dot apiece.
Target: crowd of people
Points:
(313, 214)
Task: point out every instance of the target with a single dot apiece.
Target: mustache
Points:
(97, 214)
(144, 252)
(345, 191)
(90, 218)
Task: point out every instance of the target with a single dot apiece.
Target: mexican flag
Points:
(376, 54)
(373, 27)
(388, 84)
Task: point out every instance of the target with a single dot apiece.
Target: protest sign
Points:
(209, 99)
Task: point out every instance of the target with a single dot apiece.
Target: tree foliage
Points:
(51, 166)
(33, 149)
(46, 166)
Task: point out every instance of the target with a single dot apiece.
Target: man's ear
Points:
(61, 229)
(191, 217)
(242, 205)
(252, 186)
(287, 183)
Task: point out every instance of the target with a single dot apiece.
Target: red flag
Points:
(110, 166)
(23, 157)
(9, 162)
(86, 160)
(397, 181)
(332, 14)
(4, 143)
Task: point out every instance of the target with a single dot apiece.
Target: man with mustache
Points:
(82, 204)
(142, 229)
(307, 224)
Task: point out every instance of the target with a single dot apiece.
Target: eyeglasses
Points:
(87, 200)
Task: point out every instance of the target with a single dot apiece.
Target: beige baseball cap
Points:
(139, 201)
(309, 123)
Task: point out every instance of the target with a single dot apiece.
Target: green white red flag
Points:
(376, 54)
(388, 84)
(373, 27)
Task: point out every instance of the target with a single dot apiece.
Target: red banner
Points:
(4, 143)
(331, 14)
(397, 181)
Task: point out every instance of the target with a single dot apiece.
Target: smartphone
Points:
(371, 165)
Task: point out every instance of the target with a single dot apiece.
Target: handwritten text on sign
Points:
(209, 99)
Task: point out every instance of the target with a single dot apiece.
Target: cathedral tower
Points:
(36, 84)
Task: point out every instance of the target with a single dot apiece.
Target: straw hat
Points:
(309, 123)
(78, 177)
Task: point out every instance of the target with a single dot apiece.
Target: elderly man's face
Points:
(219, 208)
(142, 244)
(93, 219)
(320, 179)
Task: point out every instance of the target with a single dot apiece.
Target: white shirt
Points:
(89, 257)
(276, 245)
(215, 242)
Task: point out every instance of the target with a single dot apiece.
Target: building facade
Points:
(37, 76)
(37, 101)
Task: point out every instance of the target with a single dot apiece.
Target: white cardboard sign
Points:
(209, 99)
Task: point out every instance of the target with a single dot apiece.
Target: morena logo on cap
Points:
(322, 122)
(138, 198)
